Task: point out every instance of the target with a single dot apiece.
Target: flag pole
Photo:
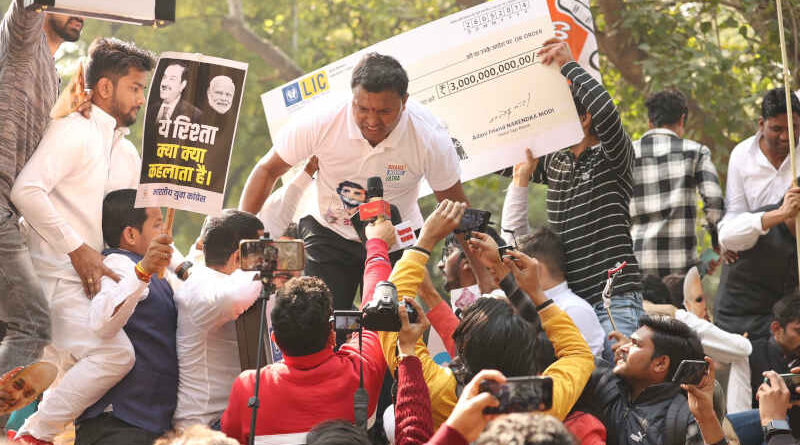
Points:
(789, 117)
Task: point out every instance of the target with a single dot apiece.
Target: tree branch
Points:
(235, 25)
(618, 45)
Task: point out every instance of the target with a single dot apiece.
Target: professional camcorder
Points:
(380, 314)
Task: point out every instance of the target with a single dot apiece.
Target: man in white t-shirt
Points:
(377, 132)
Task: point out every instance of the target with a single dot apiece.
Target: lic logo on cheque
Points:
(305, 88)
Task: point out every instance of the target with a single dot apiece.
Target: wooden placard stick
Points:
(166, 227)
(789, 117)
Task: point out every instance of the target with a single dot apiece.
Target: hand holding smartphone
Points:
(520, 394)
(690, 372)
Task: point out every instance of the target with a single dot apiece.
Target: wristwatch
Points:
(776, 426)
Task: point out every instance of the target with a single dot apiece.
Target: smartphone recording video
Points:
(283, 255)
(690, 372)
(520, 394)
(474, 221)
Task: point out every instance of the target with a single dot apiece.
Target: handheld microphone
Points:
(375, 207)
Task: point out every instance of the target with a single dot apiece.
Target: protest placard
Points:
(191, 118)
(481, 78)
(140, 12)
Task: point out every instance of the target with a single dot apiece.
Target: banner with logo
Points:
(477, 71)
(190, 124)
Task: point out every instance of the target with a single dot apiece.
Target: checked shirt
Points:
(667, 174)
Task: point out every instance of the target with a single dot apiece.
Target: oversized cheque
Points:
(189, 128)
(477, 70)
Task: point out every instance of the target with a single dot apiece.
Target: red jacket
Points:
(300, 392)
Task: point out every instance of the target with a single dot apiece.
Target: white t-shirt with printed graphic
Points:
(419, 147)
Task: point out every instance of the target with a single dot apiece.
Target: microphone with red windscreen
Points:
(376, 208)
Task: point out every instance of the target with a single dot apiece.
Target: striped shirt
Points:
(668, 172)
(28, 90)
(587, 197)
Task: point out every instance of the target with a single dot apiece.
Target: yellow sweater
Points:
(570, 372)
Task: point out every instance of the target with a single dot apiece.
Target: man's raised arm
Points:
(261, 181)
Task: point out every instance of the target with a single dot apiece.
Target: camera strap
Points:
(361, 397)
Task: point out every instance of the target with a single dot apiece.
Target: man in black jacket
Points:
(637, 400)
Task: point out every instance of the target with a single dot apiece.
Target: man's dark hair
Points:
(545, 245)
(337, 432)
(301, 316)
(223, 233)
(113, 58)
(787, 309)
(654, 290)
(666, 108)
(118, 213)
(377, 72)
(526, 429)
(674, 283)
(774, 103)
(492, 335)
(674, 339)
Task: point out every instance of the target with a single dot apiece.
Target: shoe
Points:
(27, 439)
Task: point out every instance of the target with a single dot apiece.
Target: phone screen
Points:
(520, 394)
(288, 255)
(346, 320)
(690, 372)
(474, 220)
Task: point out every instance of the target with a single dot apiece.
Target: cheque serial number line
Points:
(486, 74)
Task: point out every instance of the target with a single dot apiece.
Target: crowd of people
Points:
(603, 306)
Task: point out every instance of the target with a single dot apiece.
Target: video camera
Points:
(266, 255)
(380, 314)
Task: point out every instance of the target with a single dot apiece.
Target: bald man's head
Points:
(220, 94)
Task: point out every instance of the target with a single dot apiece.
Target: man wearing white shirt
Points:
(376, 132)
(759, 174)
(60, 195)
(279, 209)
(545, 245)
(208, 303)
